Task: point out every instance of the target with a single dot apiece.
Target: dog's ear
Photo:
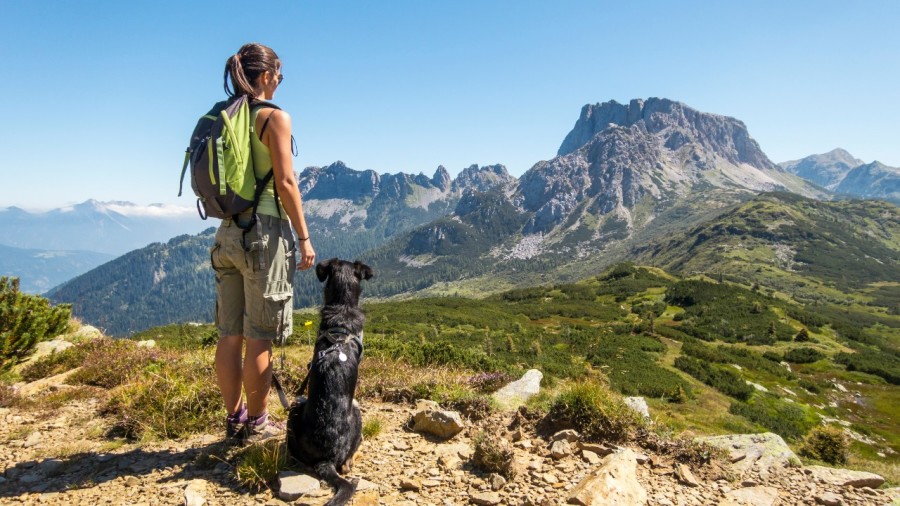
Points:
(325, 269)
(362, 270)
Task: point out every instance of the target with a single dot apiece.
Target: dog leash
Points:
(277, 384)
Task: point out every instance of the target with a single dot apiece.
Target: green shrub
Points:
(826, 443)
(802, 336)
(109, 363)
(724, 380)
(258, 465)
(803, 355)
(178, 399)
(596, 412)
(783, 418)
(810, 386)
(372, 427)
(869, 361)
(26, 320)
(632, 368)
(493, 454)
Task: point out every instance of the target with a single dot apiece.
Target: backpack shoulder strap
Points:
(264, 105)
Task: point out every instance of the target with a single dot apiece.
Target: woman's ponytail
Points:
(245, 67)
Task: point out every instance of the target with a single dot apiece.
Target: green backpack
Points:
(221, 162)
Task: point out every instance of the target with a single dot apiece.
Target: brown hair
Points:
(245, 67)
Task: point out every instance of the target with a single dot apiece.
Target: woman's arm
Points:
(278, 140)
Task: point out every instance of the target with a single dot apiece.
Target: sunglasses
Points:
(279, 78)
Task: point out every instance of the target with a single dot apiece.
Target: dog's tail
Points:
(345, 489)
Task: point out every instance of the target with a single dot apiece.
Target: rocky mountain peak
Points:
(482, 178)
(674, 123)
(441, 178)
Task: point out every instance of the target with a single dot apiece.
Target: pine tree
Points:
(25, 320)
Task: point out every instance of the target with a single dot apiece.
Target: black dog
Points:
(325, 430)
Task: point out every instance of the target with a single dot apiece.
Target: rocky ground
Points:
(62, 456)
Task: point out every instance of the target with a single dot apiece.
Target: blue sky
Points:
(101, 96)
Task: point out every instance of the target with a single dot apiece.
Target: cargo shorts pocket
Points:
(276, 307)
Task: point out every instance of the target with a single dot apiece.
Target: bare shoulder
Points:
(280, 118)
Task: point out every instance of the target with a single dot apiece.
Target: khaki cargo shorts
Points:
(254, 287)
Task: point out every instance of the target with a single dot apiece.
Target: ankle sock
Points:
(256, 421)
(240, 416)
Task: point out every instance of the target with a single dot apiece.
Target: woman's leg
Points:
(229, 371)
(257, 374)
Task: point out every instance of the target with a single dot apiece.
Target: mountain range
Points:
(847, 176)
(626, 179)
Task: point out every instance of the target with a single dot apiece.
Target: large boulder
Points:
(764, 453)
(844, 477)
(430, 419)
(516, 393)
(639, 405)
(615, 482)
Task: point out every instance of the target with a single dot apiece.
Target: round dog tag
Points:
(342, 357)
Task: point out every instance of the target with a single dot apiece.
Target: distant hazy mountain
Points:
(826, 170)
(40, 270)
(845, 175)
(874, 180)
(106, 227)
(348, 212)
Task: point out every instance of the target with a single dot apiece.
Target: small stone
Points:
(497, 482)
(449, 461)
(829, 499)
(590, 457)
(32, 440)
(486, 498)
(560, 449)
(600, 449)
(549, 478)
(685, 476)
(401, 445)
(194, 493)
(569, 435)
(292, 486)
(410, 484)
(641, 459)
(363, 485)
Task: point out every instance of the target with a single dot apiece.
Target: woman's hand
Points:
(307, 255)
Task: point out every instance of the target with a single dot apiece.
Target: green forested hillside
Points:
(708, 353)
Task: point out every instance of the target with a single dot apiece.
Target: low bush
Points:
(596, 412)
(258, 465)
(724, 380)
(785, 419)
(178, 399)
(810, 386)
(372, 427)
(878, 363)
(493, 455)
(803, 355)
(109, 363)
(826, 443)
(489, 382)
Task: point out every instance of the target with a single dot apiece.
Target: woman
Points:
(254, 285)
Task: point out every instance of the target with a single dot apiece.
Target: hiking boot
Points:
(261, 428)
(234, 425)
